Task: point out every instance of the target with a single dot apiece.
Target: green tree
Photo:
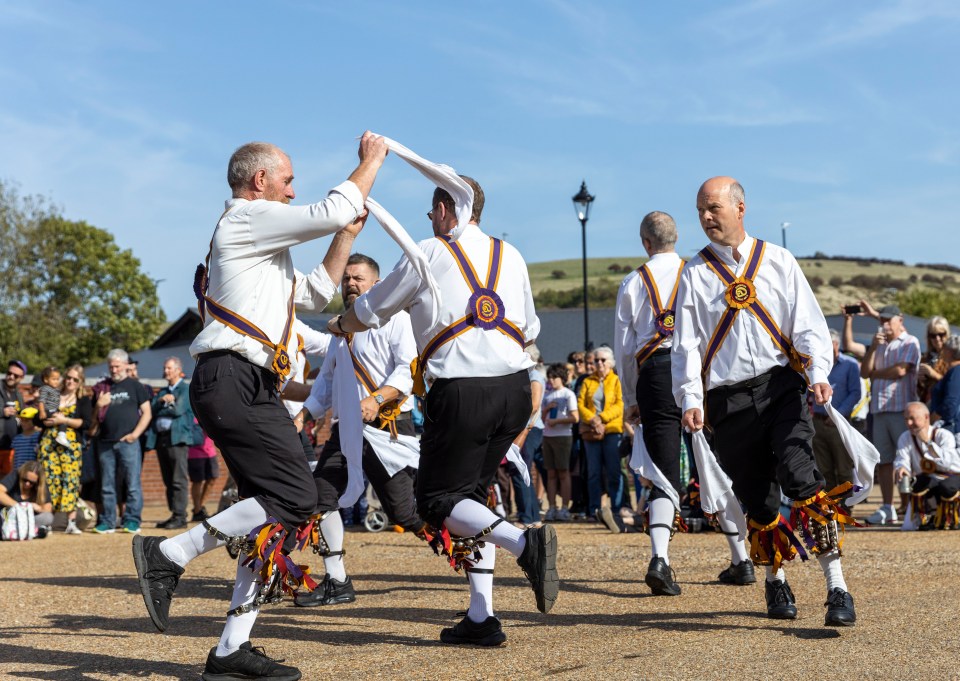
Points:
(67, 291)
(926, 302)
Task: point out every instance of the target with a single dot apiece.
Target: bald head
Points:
(917, 416)
(720, 205)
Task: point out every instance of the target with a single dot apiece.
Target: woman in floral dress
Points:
(62, 463)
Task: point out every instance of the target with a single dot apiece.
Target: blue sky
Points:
(839, 118)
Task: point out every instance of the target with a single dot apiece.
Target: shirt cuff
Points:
(365, 314)
(817, 375)
(312, 404)
(322, 283)
(351, 193)
(691, 402)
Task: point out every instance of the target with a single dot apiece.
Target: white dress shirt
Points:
(941, 451)
(386, 354)
(251, 271)
(748, 351)
(635, 325)
(476, 352)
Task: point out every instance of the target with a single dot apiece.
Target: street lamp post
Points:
(581, 204)
(783, 232)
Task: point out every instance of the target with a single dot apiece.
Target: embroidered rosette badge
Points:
(665, 321)
(740, 294)
(927, 466)
(486, 307)
(281, 361)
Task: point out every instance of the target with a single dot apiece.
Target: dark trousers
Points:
(237, 405)
(468, 426)
(660, 417)
(832, 458)
(395, 493)
(173, 469)
(762, 436)
(940, 488)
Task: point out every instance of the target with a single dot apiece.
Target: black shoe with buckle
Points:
(328, 592)
(739, 573)
(840, 612)
(661, 578)
(539, 563)
(158, 577)
(781, 605)
(467, 632)
(247, 663)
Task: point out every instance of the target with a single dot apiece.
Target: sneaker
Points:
(103, 528)
(132, 527)
(781, 605)
(247, 663)
(550, 515)
(840, 612)
(328, 592)
(72, 528)
(563, 515)
(661, 578)
(158, 577)
(613, 522)
(489, 632)
(199, 516)
(62, 439)
(740, 573)
(539, 563)
(885, 515)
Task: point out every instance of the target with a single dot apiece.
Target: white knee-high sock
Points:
(662, 512)
(332, 529)
(778, 576)
(239, 519)
(469, 517)
(738, 549)
(830, 563)
(481, 586)
(237, 628)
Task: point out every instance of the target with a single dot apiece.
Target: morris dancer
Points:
(381, 365)
(642, 341)
(478, 403)
(929, 455)
(748, 327)
(247, 296)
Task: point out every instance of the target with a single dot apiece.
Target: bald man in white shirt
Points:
(750, 333)
(248, 291)
(478, 403)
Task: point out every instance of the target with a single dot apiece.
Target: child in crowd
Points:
(24, 444)
(559, 411)
(49, 402)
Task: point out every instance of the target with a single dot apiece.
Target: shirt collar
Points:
(725, 253)
(459, 231)
(664, 256)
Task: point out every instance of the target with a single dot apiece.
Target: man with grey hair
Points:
(927, 458)
(171, 434)
(828, 450)
(248, 290)
(123, 412)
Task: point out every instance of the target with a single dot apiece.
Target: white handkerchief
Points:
(864, 455)
(644, 466)
(347, 396)
(514, 457)
(716, 490)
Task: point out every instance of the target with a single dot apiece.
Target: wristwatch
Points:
(379, 398)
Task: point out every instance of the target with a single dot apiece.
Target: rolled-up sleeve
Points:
(404, 349)
(315, 290)
(396, 292)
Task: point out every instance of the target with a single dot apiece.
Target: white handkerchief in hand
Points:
(347, 396)
(643, 465)
(514, 457)
(716, 490)
(864, 455)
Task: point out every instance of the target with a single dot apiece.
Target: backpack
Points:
(17, 522)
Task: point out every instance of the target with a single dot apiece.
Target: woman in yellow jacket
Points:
(600, 403)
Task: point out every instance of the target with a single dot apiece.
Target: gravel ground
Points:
(72, 610)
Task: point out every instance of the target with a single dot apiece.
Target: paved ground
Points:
(71, 610)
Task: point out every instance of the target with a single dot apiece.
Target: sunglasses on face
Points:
(72, 378)
(936, 335)
(14, 374)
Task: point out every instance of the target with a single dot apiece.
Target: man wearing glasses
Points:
(890, 362)
(10, 396)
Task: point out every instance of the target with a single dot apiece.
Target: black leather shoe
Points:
(661, 579)
(158, 577)
(539, 563)
(175, 524)
(247, 663)
(781, 605)
(199, 516)
(163, 525)
(328, 592)
(840, 612)
(466, 631)
(740, 573)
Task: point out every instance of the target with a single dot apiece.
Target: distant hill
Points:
(835, 280)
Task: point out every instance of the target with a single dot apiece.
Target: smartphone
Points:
(852, 309)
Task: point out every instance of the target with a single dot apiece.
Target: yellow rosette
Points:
(740, 294)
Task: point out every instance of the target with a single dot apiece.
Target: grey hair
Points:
(248, 159)
(953, 345)
(608, 353)
(920, 405)
(737, 195)
(175, 360)
(659, 229)
(118, 354)
(834, 335)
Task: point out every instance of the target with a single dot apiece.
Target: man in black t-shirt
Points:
(123, 411)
